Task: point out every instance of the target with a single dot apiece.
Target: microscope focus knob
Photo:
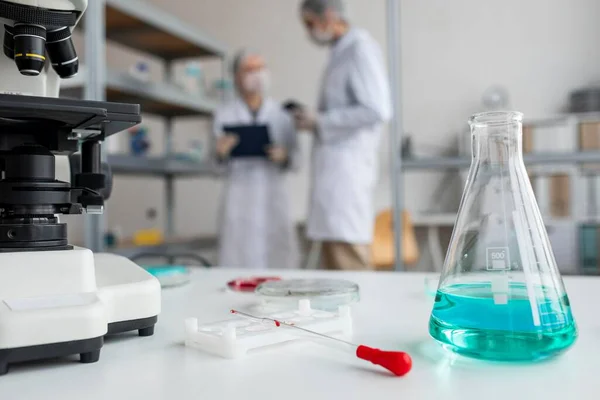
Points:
(102, 183)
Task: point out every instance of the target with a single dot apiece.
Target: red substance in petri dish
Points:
(250, 284)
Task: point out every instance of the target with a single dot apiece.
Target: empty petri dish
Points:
(324, 294)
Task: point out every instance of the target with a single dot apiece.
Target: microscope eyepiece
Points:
(62, 52)
(30, 46)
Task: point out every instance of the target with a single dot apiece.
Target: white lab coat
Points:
(354, 105)
(257, 230)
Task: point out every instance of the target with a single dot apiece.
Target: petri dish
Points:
(324, 294)
(249, 284)
(170, 275)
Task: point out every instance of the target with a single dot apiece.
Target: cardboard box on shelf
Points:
(560, 195)
(554, 138)
(589, 140)
(589, 135)
(528, 143)
(553, 194)
(528, 132)
(564, 241)
(550, 138)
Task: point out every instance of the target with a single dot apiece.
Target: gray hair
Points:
(239, 59)
(319, 7)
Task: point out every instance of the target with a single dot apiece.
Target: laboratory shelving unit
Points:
(399, 166)
(158, 98)
(541, 163)
(141, 26)
(445, 163)
(156, 166)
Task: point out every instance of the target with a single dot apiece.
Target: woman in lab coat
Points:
(257, 230)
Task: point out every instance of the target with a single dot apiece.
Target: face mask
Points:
(257, 82)
(321, 37)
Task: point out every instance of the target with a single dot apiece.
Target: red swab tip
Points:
(397, 362)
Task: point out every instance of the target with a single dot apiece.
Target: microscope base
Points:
(88, 350)
(144, 326)
(131, 295)
(51, 326)
(76, 300)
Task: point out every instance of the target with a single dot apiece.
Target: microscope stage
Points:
(59, 117)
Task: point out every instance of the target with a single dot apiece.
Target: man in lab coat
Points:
(354, 105)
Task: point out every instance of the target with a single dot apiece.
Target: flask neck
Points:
(498, 144)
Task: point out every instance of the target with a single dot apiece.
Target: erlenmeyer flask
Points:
(501, 296)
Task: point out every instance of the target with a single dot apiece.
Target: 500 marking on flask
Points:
(498, 259)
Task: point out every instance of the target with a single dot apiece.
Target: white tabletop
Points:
(392, 314)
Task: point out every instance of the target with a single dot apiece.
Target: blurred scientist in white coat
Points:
(354, 104)
(257, 230)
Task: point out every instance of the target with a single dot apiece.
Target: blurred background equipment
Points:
(161, 47)
(140, 70)
(585, 100)
(150, 235)
(384, 244)
(139, 142)
(222, 90)
(177, 56)
(293, 106)
(496, 98)
(193, 80)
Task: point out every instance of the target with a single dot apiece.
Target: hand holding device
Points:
(225, 144)
(305, 120)
(277, 154)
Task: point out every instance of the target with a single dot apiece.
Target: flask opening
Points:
(495, 118)
(497, 137)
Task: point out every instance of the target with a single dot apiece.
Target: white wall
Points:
(538, 49)
(452, 51)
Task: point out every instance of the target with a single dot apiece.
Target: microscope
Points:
(57, 300)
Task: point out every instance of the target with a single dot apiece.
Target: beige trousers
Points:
(345, 256)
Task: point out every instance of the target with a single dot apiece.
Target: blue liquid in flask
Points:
(469, 321)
